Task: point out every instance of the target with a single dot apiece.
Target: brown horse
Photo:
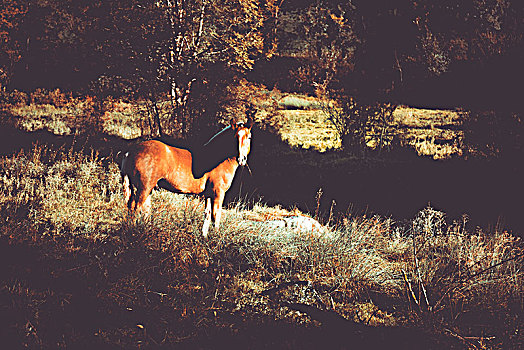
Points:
(178, 170)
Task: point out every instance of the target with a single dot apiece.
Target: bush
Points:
(55, 97)
(13, 97)
(450, 266)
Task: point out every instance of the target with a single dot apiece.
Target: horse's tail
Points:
(121, 159)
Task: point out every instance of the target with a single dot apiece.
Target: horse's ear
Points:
(250, 113)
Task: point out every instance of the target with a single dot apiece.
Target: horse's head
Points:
(243, 135)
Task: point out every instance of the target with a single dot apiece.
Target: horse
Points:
(208, 173)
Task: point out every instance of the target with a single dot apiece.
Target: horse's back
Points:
(155, 158)
(154, 161)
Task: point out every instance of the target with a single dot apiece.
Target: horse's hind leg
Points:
(128, 193)
(143, 201)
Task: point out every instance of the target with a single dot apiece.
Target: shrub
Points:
(450, 273)
(13, 97)
(360, 125)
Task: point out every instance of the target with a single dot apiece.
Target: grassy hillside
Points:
(76, 271)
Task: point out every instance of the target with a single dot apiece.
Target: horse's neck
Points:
(226, 169)
(229, 165)
(207, 158)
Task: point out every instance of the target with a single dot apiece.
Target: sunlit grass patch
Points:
(58, 120)
(426, 118)
(308, 129)
(303, 102)
(126, 120)
(434, 133)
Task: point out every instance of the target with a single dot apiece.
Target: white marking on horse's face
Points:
(244, 145)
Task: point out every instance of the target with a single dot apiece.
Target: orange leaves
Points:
(11, 12)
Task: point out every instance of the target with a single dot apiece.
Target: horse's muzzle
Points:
(242, 160)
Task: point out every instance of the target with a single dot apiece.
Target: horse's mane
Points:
(219, 147)
(214, 137)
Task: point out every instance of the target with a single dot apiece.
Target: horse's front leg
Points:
(217, 210)
(207, 217)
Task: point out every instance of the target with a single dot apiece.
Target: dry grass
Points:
(435, 133)
(308, 129)
(122, 119)
(59, 121)
(157, 282)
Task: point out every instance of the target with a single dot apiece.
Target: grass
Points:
(299, 120)
(77, 271)
(126, 120)
(308, 129)
(434, 133)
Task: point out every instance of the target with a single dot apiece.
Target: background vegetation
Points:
(424, 53)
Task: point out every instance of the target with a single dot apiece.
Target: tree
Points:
(329, 45)
(193, 36)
